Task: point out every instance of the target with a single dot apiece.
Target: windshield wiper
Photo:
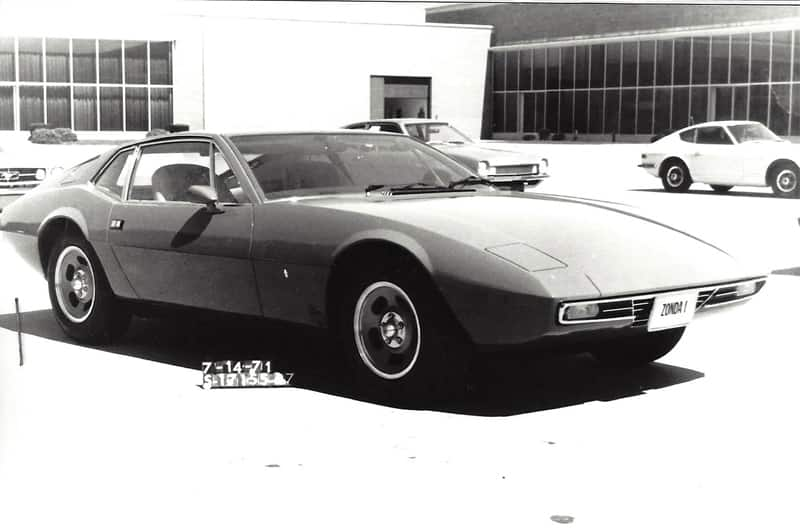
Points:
(470, 180)
(414, 187)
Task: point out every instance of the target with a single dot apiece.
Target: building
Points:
(633, 70)
(125, 70)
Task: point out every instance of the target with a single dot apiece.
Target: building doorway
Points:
(400, 97)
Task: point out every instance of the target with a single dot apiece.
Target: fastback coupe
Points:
(724, 154)
(502, 167)
(412, 262)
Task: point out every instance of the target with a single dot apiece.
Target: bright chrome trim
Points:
(564, 305)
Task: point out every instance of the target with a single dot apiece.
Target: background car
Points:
(724, 154)
(411, 262)
(498, 165)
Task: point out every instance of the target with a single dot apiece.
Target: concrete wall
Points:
(275, 74)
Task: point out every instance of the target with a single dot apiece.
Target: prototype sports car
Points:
(724, 154)
(412, 262)
(501, 166)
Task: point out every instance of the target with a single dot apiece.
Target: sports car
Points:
(411, 262)
(501, 166)
(724, 154)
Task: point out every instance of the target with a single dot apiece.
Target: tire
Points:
(400, 342)
(721, 189)
(635, 351)
(675, 176)
(784, 180)
(80, 295)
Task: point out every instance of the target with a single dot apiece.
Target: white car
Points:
(499, 165)
(724, 154)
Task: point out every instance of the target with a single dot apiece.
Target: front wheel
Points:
(675, 177)
(80, 295)
(784, 180)
(399, 340)
(634, 351)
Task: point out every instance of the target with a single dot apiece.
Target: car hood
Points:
(478, 153)
(619, 251)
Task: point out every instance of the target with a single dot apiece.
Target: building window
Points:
(613, 57)
(525, 69)
(568, 68)
(682, 60)
(553, 62)
(85, 84)
(664, 63)
(781, 56)
(740, 58)
(512, 70)
(597, 68)
(630, 57)
(582, 67)
(720, 58)
(700, 60)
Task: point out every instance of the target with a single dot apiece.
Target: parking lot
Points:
(123, 436)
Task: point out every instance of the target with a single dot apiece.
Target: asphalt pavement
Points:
(124, 436)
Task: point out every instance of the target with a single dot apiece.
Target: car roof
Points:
(403, 121)
(721, 123)
(205, 134)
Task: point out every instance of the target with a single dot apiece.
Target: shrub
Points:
(178, 127)
(65, 135)
(44, 136)
(544, 134)
(156, 132)
(558, 137)
(529, 137)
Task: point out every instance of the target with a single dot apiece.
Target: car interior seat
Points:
(172, 182)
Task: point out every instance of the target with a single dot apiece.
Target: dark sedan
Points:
(412, 262)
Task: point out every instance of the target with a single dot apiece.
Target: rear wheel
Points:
(784, 180)
(399, 340)
(80, 295)
(638, 350)
(675, 176)
(721, 189)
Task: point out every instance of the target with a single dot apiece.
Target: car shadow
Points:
(732, 193)
(499, 385)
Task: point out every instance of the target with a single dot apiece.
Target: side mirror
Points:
(206, 195)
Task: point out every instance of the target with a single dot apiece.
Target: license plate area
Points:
(672, 310)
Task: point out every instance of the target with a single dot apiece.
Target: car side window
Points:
(688, 135)
(391, 127)
(166, 171)
(713, 136)
(112, 179)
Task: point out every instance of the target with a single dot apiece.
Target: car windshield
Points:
(305, 164)
(436, 133)
(752, 132)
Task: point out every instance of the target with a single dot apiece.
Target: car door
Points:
(714, 157)
(171, 247)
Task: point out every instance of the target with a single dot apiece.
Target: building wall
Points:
(273, 74)
(252, 65)
(547, 22)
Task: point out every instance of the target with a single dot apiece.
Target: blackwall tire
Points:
(639, 350)
(676, 177)
(82, 300)
(785, 180)
(399, 341)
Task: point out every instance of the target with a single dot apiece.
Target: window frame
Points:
(731, 139)
(212, 144)
(125, 173)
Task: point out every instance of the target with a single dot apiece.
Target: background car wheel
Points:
(82, 300)
(721, 189)
(784, 180)
(400, 342)
(638, 350)
(675, 176)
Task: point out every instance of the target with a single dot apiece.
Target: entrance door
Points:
(400, 97)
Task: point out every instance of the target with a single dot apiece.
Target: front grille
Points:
(641, 311)
(502, 170)
(638, 308)
(17, 174)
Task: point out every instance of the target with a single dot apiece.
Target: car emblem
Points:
(9, 175)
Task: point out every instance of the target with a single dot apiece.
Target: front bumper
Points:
(634, 311)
